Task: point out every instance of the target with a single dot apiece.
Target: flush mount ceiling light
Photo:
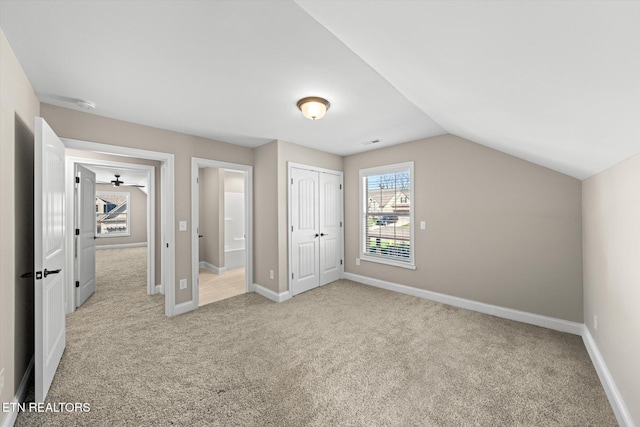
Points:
(87, 105)
(313, 107)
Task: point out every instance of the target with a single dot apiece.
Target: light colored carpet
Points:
(344, 354)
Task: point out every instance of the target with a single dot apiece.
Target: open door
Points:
(85, 234)
(49, 233)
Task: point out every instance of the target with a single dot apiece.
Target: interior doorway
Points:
(164, 234)
(120, 213)
(221, 214)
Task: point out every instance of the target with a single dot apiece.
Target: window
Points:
(112, 214)
(386, 212)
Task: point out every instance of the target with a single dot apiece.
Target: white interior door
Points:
(85, 234)
(49, 232)
(305, 235)
(330, 227)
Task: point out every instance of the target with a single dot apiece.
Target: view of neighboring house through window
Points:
(386, 231)
(112, 214)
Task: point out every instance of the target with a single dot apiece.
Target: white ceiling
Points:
(555, 82)
(106, 174)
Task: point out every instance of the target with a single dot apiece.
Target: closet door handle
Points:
(316, 235)
(322, 234)
(48, 272)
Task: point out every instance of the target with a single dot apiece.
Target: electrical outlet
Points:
(1, 381)
(183, 283)
(357, 261)
(271, 274)
(595, 322)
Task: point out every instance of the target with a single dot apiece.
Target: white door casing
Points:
(85, 268)
(316, 233)
(49, 249)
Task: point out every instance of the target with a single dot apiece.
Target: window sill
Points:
(409, 266)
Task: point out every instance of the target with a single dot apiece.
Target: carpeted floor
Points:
(344, 354)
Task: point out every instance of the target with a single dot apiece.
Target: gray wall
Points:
(18, 107)
(499, 230)
(137, 210)
(611, 230)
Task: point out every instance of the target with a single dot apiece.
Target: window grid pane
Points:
(387, 216)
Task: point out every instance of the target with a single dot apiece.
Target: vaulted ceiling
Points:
(555, 82)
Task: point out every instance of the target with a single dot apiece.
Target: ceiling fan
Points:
(117, 183)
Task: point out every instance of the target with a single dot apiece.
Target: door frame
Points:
(293, 165)
(71, 161)
(167, 208)
(196, 164)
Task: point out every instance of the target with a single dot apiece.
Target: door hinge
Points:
(77, 284)
(291, 276)
(77, 180)
(341, 186)
(167, 245)
(340, 262)
(291, 181)
(340, 223)
(77, 231)
(292, 228)
(197, 180)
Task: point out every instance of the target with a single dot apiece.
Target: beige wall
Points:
(233, 181)
(211, 212)
(89, 127)
(611, 243)
(265, 215)
(18, 107)
(499, 230)
(137, 210)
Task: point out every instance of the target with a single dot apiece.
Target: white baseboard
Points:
(10, 417)
(122, 246)
(212, 268)
(159, 289)
(183, 307)
(615, 399)
(507, 313)
(269, 294)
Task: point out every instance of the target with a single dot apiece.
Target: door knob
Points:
(316, 235)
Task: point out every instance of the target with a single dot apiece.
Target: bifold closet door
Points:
(330, 227)
(316, 229)
(305, 241)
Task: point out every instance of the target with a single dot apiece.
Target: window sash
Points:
(387, 214)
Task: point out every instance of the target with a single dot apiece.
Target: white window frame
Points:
(379, 170)
(127, 233)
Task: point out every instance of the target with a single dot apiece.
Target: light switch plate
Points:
(423, 225)
(183, 283)
(183, 226)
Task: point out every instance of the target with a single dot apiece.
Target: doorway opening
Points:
(159, 167)
(120, 214)
(221, 218)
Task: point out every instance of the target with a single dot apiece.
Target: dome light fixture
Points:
(86, 105)
(313, 107)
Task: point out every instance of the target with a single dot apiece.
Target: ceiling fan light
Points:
(313, 107)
